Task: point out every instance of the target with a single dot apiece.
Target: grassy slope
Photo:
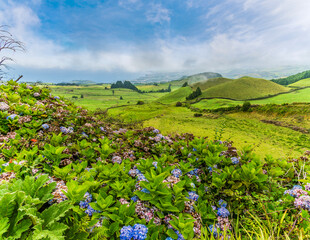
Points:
(301, 83)
(243, 129)
(244, 88)
(302, 95)
(178, 95)
(210, 83)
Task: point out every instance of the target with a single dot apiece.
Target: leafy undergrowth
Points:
(66, 174)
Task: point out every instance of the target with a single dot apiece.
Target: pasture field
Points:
(242, 128)
(98, 97)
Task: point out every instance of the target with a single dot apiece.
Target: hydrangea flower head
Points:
(193, 196)
(234, 160)
(88, 197)
(176, 172)
(139, 232)
(126, 233)
(297, 187)
(223, 212)
(134, 198)
(56, 97)
(45, 126)
(141, 177)
(156, 131)
(155, 164)
(213, 230)
(83, 204)
(144, 190)
(222, 203)
(180, 236)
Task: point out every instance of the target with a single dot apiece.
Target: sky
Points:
(111, 40)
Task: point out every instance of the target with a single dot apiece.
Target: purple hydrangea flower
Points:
(155, 164)
(126, 233)
(83, 204)
(88, 197)
(141, 177)
(56, 97)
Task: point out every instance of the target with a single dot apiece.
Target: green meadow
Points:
(243, 128)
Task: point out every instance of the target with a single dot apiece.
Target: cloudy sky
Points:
(107, 40)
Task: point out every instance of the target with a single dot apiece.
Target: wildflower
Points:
(223, 212)
(234, 160)
(134, 198)
(193, 196)
(36, 94)
(4, 106)
(176, 172)
(45, 126)
(12, 116)
(126, 233)
(117, 159)
(139, 232)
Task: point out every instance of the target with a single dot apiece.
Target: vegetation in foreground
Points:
(68, 174)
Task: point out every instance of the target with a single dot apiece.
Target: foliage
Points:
(293, 78)
(194, 94)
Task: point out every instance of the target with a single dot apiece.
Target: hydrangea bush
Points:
(70, 174)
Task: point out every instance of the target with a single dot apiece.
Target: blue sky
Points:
(109, 40)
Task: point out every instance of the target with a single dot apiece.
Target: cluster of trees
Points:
(292, 79)
(194, 94)
(125, 84)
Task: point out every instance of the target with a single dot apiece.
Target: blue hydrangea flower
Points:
(102, 129)
(194, 149)
(210, 169)
(223, 212)
(64, 130)
(169, 238)
(176, 172)
(234, 160)
(89, 211)
(45, 126)
(12, 116)
(193, 196)
(213, 230)
(222, 203)
(56, 97)
(126, 233)
(141, 177)
(134, 198)
(144, 190)
(297, 187)
(193, 185)
(180, 236)
(83, 204)
(139, 232)
(189, 155)
(88, 197)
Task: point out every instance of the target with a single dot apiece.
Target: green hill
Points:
(292, 79)
(210, 83)
(244, 88)
(301, 83)
(178, 95)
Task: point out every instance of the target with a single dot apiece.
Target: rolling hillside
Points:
(301, 83)
(210, 83)
(178, 95)
(292, 79)
(244, 88)
(197, 78)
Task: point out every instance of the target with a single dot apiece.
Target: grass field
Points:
(210, 83)
(178, 95)
(301, 83)
(243, 129)
(98, 97)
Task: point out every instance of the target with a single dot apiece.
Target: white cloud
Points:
(158, 14)
(252, 33)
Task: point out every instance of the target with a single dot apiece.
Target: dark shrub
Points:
(246, 106)
(198, 115)
(140, 102)
(178, 104)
